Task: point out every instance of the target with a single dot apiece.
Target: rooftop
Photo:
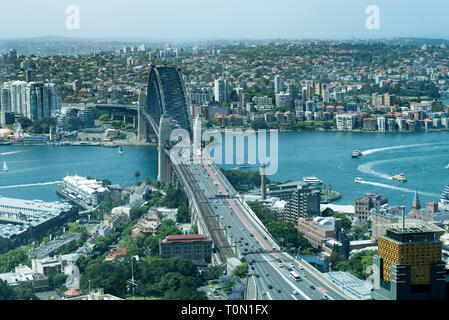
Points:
(350, 284)
(185, 238)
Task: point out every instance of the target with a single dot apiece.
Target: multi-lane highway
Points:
(245, 233)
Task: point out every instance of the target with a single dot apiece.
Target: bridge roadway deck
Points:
(251, 240)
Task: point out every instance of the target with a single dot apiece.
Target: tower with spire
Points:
(416, 208)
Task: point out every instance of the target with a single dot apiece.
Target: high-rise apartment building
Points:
(409, 264)
(221, 90)
(304, 202)
(278, 84)
(33, 100)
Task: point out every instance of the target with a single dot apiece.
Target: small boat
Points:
(5, 167)
(400, 177)
(359, 180)
(356, 153)
(120, 150)
(447, 167)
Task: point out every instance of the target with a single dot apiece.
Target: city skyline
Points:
(286, 19)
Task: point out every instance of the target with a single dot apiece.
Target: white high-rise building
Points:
(221, 90)
(18, 96)
(278, 84)
(381, 123)
(34, 100)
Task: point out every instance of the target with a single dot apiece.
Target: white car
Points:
(280, 265)
(295, 292)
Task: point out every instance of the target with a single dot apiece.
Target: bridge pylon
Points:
(142, 126)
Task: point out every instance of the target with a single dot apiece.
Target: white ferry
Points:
(312, 180)
(400, 177)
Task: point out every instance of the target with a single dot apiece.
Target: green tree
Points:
(137, 175)
(6, 292)
(183, 214)
(23, 291)
(241, 270)
(57, 280)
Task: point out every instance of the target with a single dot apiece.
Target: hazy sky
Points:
(225, 19)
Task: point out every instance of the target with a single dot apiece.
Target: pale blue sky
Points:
(225, 19)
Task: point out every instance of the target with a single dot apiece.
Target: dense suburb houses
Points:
(360, 85)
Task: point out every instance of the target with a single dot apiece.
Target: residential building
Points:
(221, 90)
(283, 99)
(363, 205)
(369, 124)
(381, 124)
(346, 122)
(304, 202)
(278, 84)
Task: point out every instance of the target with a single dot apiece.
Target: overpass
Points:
(216, 208)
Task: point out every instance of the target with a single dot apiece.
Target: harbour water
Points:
(34, 171)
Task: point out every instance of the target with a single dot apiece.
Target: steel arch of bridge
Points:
(166, 96)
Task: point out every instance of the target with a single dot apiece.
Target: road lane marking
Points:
(288, 281)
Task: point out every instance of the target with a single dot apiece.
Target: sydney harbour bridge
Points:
(215, 206)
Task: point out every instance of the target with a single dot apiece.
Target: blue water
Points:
(34, 170)
(420, 156)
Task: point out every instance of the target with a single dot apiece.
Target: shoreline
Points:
(83, 144)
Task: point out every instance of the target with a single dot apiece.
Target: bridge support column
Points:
(142, 129)
(164, 166)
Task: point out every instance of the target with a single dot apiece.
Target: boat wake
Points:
(375, 150)
(368, 169)
(382, 185)
(30, 185)
(10, 152)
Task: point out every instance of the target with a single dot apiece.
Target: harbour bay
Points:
(34, 171)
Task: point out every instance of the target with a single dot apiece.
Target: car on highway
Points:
(325, 297)
(280, 265)
(295, 292)
(263, 293)
(267, 274)
(269, 286)
(289, 269)
(312, 287)
(252, 268)
(278, 290)
(230, 213)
